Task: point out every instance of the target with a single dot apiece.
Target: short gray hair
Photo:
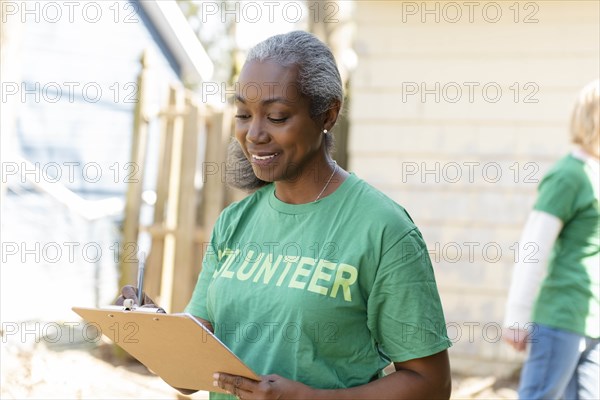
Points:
(318, 75)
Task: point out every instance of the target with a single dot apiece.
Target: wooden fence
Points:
(183, 212)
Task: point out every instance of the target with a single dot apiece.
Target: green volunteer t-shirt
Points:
(325, 293)
(569, 296)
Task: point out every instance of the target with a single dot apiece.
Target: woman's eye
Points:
(277, 120)
(242, 116)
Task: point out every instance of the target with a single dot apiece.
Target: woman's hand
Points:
(270, 387)
(421, 378)
(130, 292)
(517, 338)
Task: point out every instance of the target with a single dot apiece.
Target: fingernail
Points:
(215, 383)
(216, 376)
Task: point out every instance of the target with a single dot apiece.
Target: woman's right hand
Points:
(516, 338)
(130, 292)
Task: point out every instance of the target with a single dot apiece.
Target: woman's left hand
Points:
(270, 387)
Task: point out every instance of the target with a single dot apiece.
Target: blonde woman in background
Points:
(553, 302)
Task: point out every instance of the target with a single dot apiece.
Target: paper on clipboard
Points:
(176, 347)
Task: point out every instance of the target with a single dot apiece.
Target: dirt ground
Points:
(71, 369)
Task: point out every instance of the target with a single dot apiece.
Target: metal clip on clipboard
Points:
(129, 305)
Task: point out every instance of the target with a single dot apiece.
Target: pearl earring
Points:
(324, 130)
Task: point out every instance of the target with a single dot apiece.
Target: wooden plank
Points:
(213, 189)
(184, 272)
(133, 201)
(171, 211)
(155, 259)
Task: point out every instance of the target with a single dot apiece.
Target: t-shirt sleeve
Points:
(197, 304)
(404, 311)
(557, 195)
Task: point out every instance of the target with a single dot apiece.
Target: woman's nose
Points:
(256, 132)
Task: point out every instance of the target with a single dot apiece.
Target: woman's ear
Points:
(331, 115)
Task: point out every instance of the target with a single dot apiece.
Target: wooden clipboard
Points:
(176, 347)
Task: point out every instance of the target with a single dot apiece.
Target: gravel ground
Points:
(46, 373)
(69, 369)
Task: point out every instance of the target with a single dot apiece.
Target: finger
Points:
(228, 382)
(508, 340)
(517, 344)
(129, 292)
(119, 301)
(223, 381)
(510, 343)
(147, 299)
(244, 394)
(152, 305)
(238, 381)
(229, 388)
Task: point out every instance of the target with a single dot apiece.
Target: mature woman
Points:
(316, 280)
(553, 304)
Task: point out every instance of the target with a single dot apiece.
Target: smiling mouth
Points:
(263, 158)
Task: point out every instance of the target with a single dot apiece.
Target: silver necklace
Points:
(328, 181)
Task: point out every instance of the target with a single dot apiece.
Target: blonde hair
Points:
(585, 120)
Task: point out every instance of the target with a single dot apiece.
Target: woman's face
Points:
(273, 123)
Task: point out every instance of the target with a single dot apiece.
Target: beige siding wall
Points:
(467, 169)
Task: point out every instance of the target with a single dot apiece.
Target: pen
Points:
(140, 279)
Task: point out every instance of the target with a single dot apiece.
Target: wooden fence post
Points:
(213, 174)
(180, 219)
(185, 278)
(171, 213)
(128, 247)
(175, 257)
(172, 121)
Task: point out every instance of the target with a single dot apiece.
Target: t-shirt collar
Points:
(334, 198)
(580, 154)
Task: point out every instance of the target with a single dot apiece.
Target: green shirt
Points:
(325, 293)
(569, 295)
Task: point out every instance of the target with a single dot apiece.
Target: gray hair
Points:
(243, 175)
(318, 79)
(318, 75)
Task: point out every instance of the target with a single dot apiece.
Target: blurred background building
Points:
(69, 90)
(455, 110)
